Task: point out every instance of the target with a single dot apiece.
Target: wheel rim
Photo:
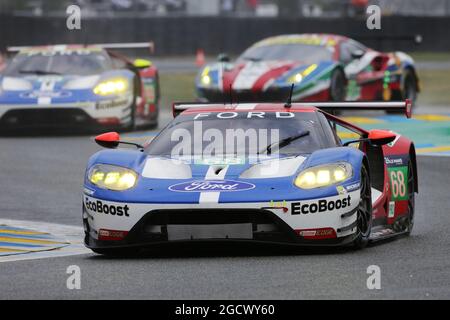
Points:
(364, 212)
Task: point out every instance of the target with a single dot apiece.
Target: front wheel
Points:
(409, 86)
(338, 85)
(364, 212)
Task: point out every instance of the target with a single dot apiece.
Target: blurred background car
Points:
(322, 67)
(78, 86)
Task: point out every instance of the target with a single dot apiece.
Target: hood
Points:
(230, 168)
(261, 75)
(163, 180)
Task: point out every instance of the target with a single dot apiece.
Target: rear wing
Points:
(131, 45)
(400, 106)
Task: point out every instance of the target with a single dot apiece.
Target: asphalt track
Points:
(41, 180)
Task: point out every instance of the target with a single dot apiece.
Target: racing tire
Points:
(364, 212)
(338, 86)
(411, 199)
(409, 89)
(132, 125)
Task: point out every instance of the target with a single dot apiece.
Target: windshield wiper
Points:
(284, 142)
(38, 72)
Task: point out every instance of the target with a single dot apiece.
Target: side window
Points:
(330, 136)
(347, 48)
(342, 134)
(345, 53)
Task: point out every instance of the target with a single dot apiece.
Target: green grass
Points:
(177, 87)
(430, 56)
(435, 87)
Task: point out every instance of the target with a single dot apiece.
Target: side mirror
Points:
(142, 63)
(108, 140)
(376, 137)
(357, 54)
(381, 137)
(223, 57)
(111, 140)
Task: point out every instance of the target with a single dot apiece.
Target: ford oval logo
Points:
(211, 186)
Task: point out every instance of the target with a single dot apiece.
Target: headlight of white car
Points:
(112, 177)
(324, 175)
(205, 78)
(111, 86)
(299, 76)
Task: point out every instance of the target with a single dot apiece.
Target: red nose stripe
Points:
(272, 74)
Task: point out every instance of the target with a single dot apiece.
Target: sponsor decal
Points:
(341, 190)
(101, 105)
(320, 206)
(352, 187)
(219, 161)
(99, 207)
(391, 212)
(211, 186)
(88, 191)
(51, 52)
(245, 115)
(396, 160)
(398, 178)
(49, 94)
(281, 205)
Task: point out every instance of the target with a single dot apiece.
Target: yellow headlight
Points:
(298, 77)
(322, 176)
(204, 77)
(114, 86)
(112, 177)
(206, 80)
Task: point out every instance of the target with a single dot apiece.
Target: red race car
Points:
(323, 67)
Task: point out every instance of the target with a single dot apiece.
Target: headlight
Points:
(325, 175)
(113, 86)
(205, 78)
(298, 77)
(112, 177)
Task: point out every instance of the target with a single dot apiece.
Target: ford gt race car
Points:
(79, 86)
(268, 172)
(323, 67)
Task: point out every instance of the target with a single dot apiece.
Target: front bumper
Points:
(144, 225)
(107, 113)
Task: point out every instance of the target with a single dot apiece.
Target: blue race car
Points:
(265, 172)
(77, 86)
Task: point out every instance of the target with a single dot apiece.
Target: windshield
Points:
(58, 63)
(296, 52)
(219, 134)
